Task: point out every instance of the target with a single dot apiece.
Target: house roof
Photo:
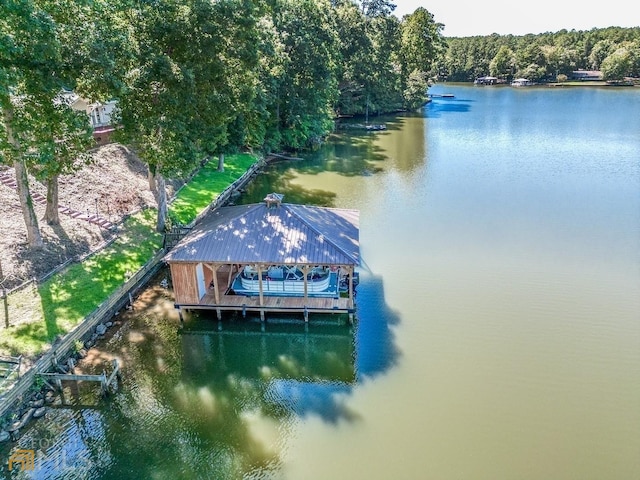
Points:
(284, 234)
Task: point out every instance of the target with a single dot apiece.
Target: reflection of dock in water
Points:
(309, 353)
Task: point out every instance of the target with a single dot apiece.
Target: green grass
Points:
(40, 313)
(206, 185)
(60, 303)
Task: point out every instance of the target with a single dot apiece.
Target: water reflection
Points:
(280, 178)
(437, 108)
(199, 402)
(289, 368)
(297, 351)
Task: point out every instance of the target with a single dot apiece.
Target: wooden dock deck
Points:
(206, 261)
(270, 304)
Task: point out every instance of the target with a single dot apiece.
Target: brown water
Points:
(498, 332)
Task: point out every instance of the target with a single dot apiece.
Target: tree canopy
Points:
(196, 78)
(544, 57)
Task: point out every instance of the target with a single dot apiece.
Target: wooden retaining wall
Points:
(82, 331)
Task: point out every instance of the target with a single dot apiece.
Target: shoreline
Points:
(16, 403)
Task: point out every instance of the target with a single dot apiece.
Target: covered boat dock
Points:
(268, 257)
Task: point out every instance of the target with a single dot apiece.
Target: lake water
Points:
(498, 329)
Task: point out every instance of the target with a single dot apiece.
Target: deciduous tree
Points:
(190, 78)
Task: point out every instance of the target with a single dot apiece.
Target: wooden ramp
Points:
(105, 381)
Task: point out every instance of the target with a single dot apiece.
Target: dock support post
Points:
(262, 316)
(219, 314)
(103, 384)
(244, 310)
(306, 314)
(181, 317)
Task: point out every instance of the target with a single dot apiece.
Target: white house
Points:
(100, 114)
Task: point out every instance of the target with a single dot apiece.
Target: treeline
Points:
(196, 78)
(544, 57)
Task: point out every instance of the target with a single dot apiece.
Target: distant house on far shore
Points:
(586, 75)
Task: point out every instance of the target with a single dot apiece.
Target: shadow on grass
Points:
(67, 298)
(26, 339)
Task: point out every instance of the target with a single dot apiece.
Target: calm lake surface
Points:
(498, 330)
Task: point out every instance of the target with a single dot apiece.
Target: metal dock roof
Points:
(283, 234)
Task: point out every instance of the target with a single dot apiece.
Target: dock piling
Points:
(105, 382)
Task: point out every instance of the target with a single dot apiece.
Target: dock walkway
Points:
(278, 304)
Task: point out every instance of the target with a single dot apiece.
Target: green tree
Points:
(48, 44)
(60, 145)
(29, 55)
(545, 55)
(414, 94)
(307, 83)
(560, 60)
(530, 60)
(190, 78)
(599, 52)
(422, 41)
(503, 64)
(377, 8)
(620, 63)
(385, 85)
(354, 70)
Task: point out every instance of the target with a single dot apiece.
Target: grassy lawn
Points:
(39, 313)
(206, 185)
(59, 304)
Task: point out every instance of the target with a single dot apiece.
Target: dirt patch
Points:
(154, 304)
(114, 185)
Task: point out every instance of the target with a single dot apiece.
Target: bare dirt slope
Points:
(114, 185)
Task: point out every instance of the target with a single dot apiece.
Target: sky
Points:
(464, 18)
